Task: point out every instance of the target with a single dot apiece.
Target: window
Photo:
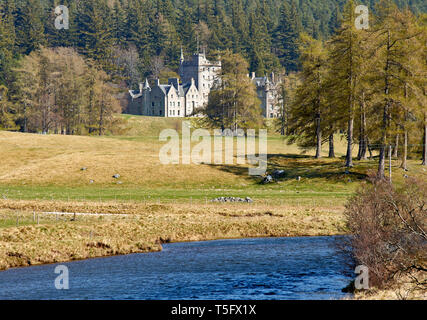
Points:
(178, 112)
(179, 104)
(153, 104)
(160, 112)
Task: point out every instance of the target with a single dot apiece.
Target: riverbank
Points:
(402, 289)
(29, 237)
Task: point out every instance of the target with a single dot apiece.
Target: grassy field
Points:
(49, 167)
(151, 201)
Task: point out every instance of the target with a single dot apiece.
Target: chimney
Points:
(141, 87)
(158, 82)
(253, 75)
(192, 81)
(272, 77)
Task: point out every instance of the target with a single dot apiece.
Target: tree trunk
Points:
(370, 152)
(424, 163)
(349, 156)
(318, 137)
(365, 138)
(362, 138)
(331, 146)
(396, 147)
(381, 160)
(405, 151)
(381, 163)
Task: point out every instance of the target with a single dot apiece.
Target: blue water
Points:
(247, 269)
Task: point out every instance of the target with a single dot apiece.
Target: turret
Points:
(146, 85)
(182, 56)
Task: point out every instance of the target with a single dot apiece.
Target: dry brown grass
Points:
(32, 159)
(145, 227)
(403, 289)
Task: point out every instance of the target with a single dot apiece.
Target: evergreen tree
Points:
(287, 36)
(94, 33)
(29, 28)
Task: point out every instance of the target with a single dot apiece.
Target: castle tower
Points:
(146, 92)
(202, 70)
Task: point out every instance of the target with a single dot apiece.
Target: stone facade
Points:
(268, 92)
(177, 99)
(181, 99)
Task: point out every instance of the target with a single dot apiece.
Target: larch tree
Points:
(233, 102)
(346, 61)
(393, 71)
(309, 108)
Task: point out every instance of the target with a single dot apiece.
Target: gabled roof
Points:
(135, 94)
(260, 81)
(165, 88)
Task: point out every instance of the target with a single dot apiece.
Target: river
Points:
(244, 269)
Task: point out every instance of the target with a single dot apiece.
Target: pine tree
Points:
(287, 36)
(95, 38)
(29, 28)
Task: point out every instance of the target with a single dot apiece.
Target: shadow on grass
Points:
(304, 166)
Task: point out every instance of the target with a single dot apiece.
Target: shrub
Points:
(388, 226)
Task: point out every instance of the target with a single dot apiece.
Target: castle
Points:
(181, 99)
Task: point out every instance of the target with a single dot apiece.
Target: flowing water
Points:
(246, 269)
